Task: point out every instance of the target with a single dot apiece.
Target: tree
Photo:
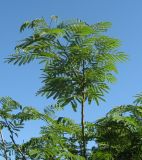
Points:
(12, 118)
(119, 134)
(78, 61)
(52, 142)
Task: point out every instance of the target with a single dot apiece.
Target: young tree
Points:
(79, 61)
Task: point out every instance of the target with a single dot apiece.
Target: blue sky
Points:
(21, 83)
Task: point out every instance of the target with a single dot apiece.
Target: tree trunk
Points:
(82, 112)
(83, 129)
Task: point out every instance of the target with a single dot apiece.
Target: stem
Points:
(82, 111)
(83, 129)
(17, 148)
(14, 143)
(4, 145)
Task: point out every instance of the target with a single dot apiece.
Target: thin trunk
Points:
(82, 112)
(83, 129)
(4, 146)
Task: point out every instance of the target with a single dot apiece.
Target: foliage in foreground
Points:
(118, 136)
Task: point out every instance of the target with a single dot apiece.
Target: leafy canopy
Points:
(78, 59)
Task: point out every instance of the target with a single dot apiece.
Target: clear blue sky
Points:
(21, 83)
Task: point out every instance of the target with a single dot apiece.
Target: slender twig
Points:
(4, 146)
(12, 138)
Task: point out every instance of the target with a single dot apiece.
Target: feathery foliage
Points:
(119, 133)
(68, 49)
(12, 118)
(79, 61)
